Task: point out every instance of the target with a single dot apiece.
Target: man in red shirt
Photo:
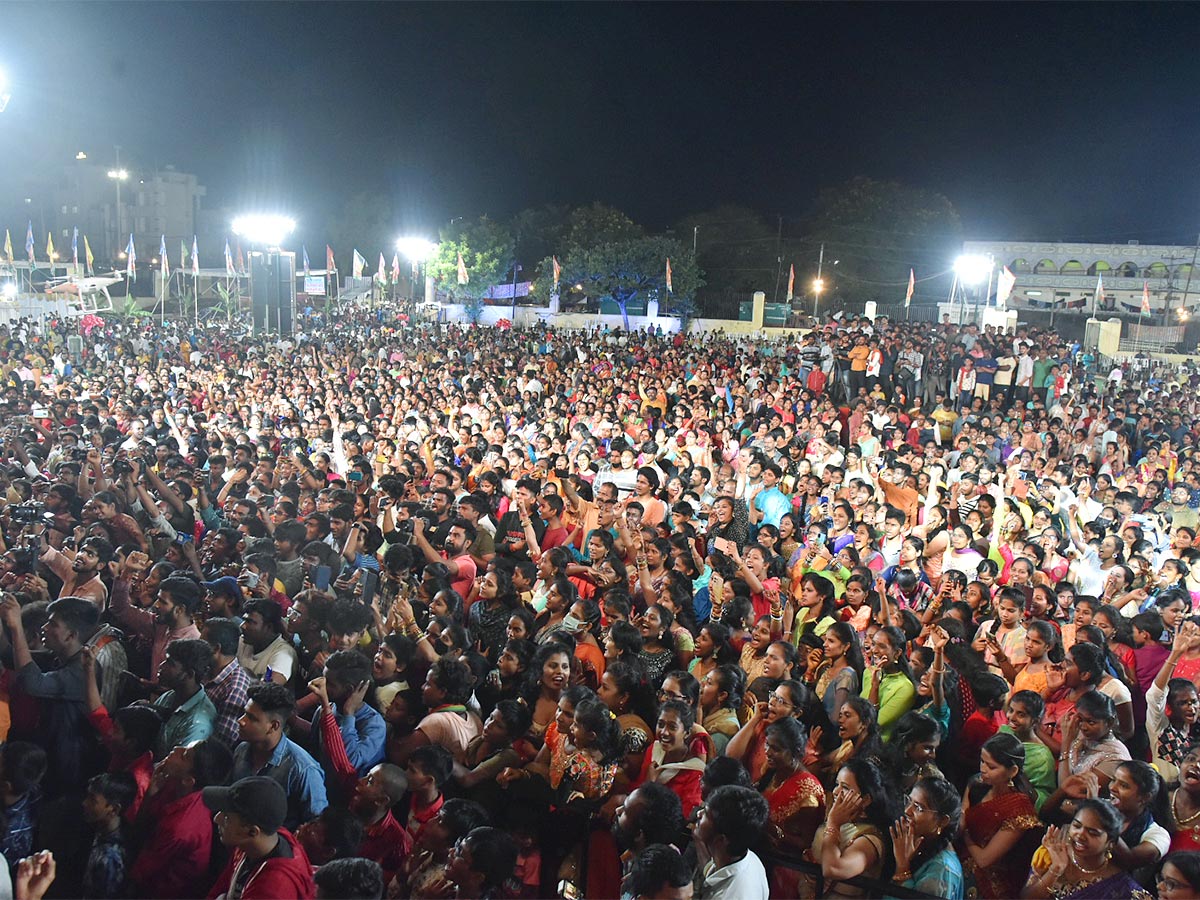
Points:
(174, 862)
(385, 841)
(267, 862)
(456, 555)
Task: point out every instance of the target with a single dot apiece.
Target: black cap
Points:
(257, 800)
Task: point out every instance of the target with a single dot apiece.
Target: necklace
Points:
(1180, 820)
(1075, 862)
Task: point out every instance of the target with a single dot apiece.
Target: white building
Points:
(1065, 275)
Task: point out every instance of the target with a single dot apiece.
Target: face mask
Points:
(572, 624)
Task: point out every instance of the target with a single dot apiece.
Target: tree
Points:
(367, 223)
(624, 271)
(595, 225)
(737, 251)
(878, 230)
(538, 233)
(487, 253)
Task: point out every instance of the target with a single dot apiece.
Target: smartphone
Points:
(321, 577)
(354, 476)
(182, 537)
(370, 583)
(820, 540)
(250, 579)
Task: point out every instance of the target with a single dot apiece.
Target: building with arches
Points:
(1064, 275)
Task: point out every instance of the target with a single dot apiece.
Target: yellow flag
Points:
(50, 245)
(8, 245)
(87, 252)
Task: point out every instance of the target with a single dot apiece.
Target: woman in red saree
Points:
(1001, 829)
(796, 799)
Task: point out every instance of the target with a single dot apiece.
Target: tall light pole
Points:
(971, 270)
(418, 251)
(118, 175)
(269, 231)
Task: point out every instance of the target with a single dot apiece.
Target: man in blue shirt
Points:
(266, 750)
(347, 675)
(770, 503)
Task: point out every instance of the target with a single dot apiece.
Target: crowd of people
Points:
(425, 612)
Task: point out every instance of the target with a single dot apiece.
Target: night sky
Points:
(1036, 120)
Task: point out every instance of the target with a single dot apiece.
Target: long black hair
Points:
(883, 810)
(944, 800)
(598, 718)
(1007, 750)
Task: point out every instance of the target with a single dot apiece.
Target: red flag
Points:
(557, 271)
(329, 265)
(1145, 298)
(670, 288)
(241, 260)
(912, 283)
(791, 282)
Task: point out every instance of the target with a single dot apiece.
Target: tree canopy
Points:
(878, 230)
(487, 251)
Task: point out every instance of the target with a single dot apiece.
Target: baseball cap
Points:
(226, 585)
(257, 800)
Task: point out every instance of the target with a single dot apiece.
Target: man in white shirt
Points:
(731, 819)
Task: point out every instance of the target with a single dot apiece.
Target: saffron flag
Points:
(330, 266)
(87, 254)
(228, 260)
(1004, 285)
(912, 286)
(557, 272)
(195, 258)
(29, 241)
(130, 261)
(75, 249)
(359, 264)
(164, 266)
(241, 260)
(791, 282)
(395, 267)
(670, 287)
(304, 250)
(463, 277)
(8, 245)
(1145, 298)
(50, 245)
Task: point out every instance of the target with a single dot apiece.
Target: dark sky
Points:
(1036, 120)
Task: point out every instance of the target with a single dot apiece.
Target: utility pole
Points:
(778, 258)
(1188, 283)
(819, 285)
(695, 236)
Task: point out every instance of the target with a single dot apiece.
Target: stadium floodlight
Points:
(973, 268)
(264, 229)
(417, 249)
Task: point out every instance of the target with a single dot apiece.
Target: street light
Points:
(118, 175)
(81, 155)
(419, 251)
(264, 229)
(972, 268)
(818, 285)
